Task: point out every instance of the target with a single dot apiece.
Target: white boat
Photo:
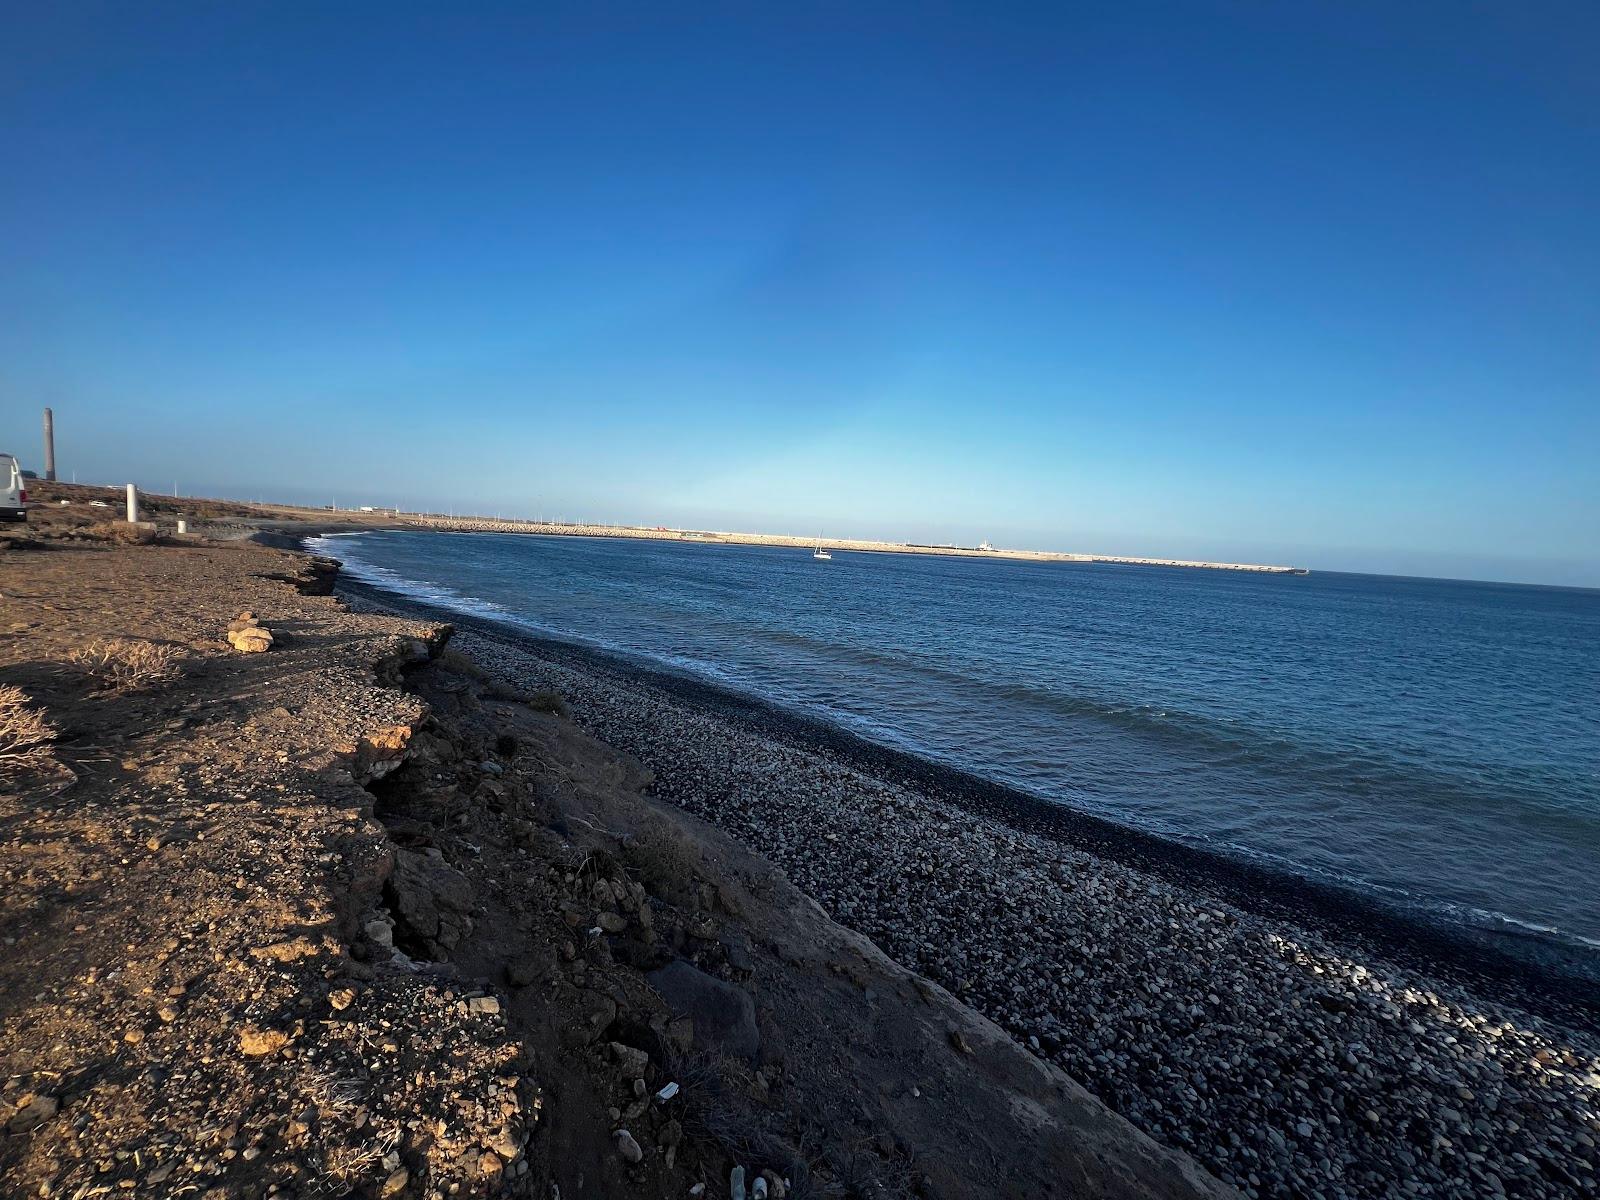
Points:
(819, 552)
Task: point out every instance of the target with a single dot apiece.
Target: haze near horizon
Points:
(1313, 284)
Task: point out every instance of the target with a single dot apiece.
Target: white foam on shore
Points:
(446, 597)
(1442, 912)
(390, 580)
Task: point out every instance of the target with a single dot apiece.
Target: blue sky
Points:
(1287, 282)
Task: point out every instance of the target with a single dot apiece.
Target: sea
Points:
(1431, 744)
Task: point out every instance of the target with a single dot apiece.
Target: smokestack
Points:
(49, 445)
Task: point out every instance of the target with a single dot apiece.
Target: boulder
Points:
(251, 640)
(33, 1114)
(246, 635)
(632, 1061)
(627, 1147)
(381, 751)
(723, 1015)
(588, 1014)
(432, 901)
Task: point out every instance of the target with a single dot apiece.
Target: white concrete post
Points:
(183, 526)
(133, 505)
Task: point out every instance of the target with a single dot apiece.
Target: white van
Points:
(13, 493)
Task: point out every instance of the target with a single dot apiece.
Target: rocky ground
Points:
(1288, 1066)
(324, 908)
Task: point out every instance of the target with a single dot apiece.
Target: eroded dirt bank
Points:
(351, 917)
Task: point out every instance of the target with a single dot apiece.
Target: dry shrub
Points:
(134, 534)
(460, 664)
(25, 735)
(124, 665)
(491, 687)
(664, 863)
(548, 701)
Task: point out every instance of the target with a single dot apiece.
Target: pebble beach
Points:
(1287, 1065)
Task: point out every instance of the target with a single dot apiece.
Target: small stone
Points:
(627, 1147)
(167, 1013)
(1303, 1128)
(632, 1061)
(342, 998)
(506, 1144)
(396, 1182)
(483, 1004)
(256, 1042)
(249, 638)
(33, 1114)
(611, 922)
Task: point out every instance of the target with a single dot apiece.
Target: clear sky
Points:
(1275, 281)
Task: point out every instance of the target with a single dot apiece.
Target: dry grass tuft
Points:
(665, 864)
(25, 735)
(350, 1161)
(141, 534)
(546, 700)
(124, 665)
(453, 660)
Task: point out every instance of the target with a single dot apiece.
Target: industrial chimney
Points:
(49, 445)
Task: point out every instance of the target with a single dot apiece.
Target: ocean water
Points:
(1432, 743)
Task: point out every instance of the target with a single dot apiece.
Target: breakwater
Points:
(860, 545)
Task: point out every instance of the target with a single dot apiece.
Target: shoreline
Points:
(1542, 976)
(1292, 1056)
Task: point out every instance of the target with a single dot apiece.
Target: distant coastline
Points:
(859, 545)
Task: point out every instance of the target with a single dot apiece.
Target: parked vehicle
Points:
(13, 490)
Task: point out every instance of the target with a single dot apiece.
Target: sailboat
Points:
(819, 552)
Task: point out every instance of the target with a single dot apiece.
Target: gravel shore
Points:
(1286, 1065)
